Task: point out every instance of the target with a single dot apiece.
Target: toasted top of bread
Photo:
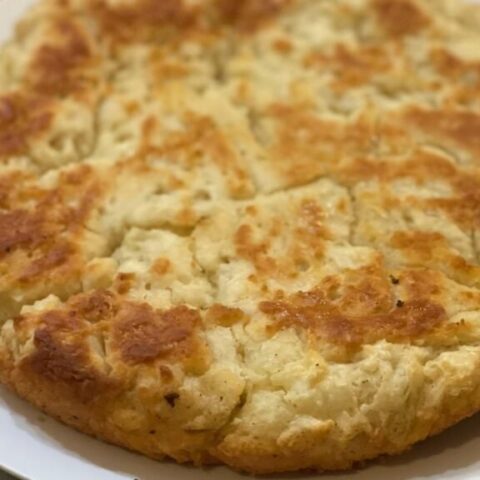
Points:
(243, 231)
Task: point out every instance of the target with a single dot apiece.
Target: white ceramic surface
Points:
(38, 448)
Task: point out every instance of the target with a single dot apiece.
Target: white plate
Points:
(39, 448)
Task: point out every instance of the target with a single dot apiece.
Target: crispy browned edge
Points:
(89, 418)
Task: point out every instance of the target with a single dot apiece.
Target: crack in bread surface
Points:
(243, 231)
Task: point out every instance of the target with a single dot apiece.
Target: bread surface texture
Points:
(243, 231)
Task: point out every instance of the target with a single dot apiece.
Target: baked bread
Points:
(243, 231)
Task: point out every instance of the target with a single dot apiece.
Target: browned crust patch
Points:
(23, 118)
(140, 334)
(400, 17)
(406, 321)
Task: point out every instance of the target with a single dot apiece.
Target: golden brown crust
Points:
(43, 231)
(62, 364)
(402, 17)
(22, 117)
(144, 16)
(57, 70)
(140, 335)
(458, 126)
(243, 231)
(249, 14)
(312, 311)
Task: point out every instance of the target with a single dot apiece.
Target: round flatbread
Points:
(243, 232)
